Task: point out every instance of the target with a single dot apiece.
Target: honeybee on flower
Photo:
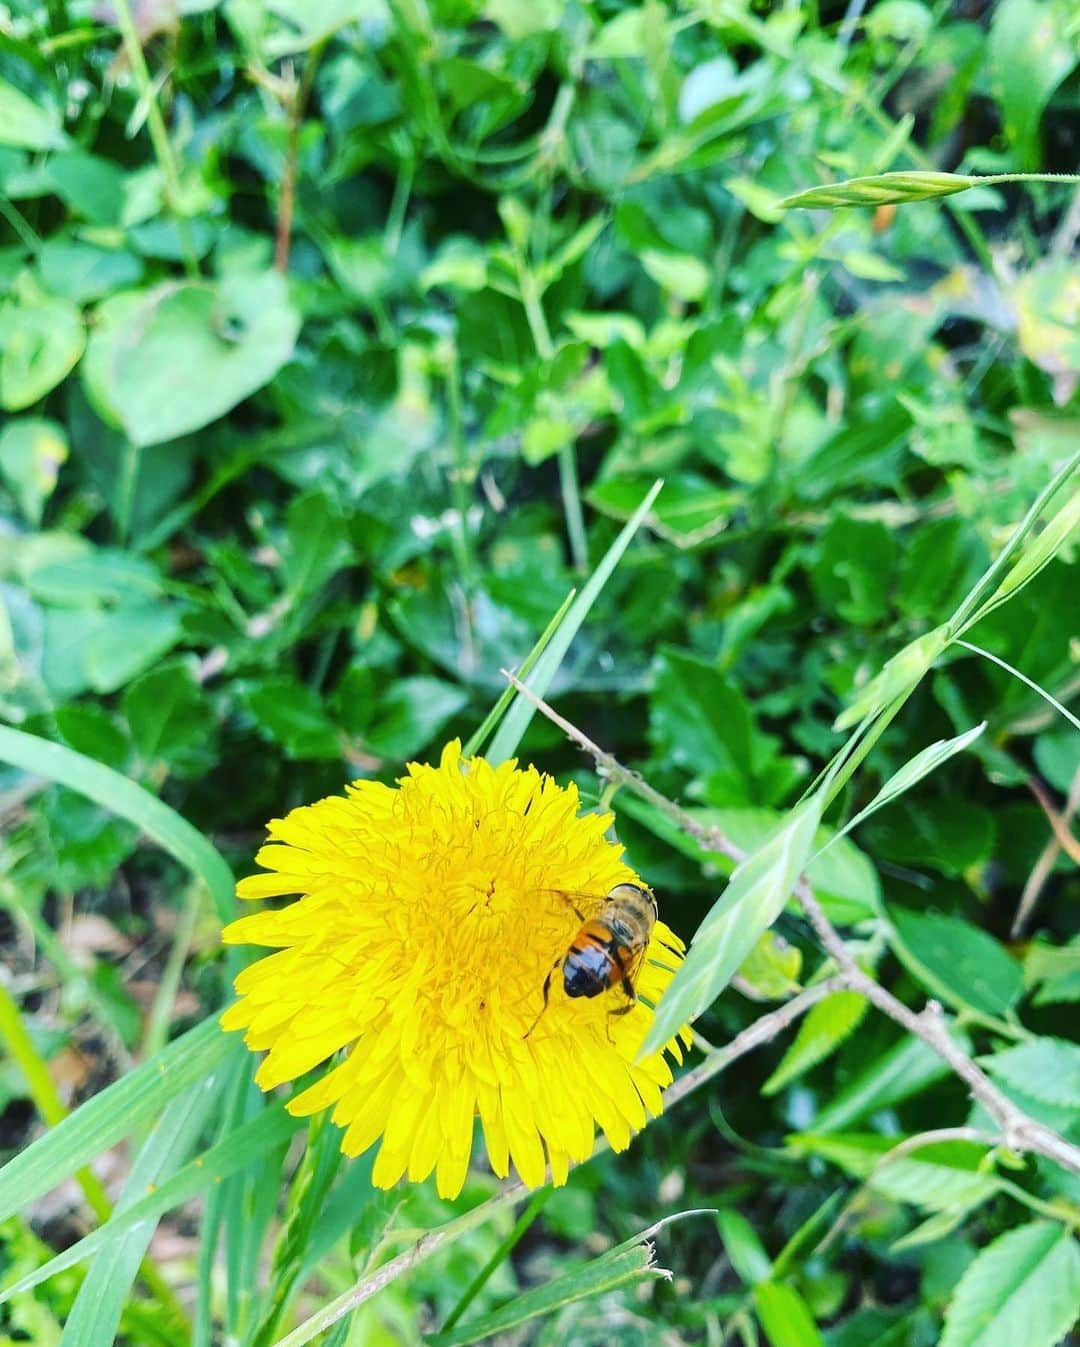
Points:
(429, 922)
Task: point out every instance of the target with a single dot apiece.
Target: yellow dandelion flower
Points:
(429, 917)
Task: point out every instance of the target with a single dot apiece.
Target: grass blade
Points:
(517, 719)
(122, 797)
(95, 1316)
(241, 1148)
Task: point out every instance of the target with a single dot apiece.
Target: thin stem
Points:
(1046, 696)
(575, 517)
(157, 1022)
(1019, 1131)
(531, 1212)
(287, 200)
(19, 225)
(568, 476)
(461, 477)
(1043, 867)
(159, 135)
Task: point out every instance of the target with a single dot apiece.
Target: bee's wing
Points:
(584, 905)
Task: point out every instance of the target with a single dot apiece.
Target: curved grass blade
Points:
(122, 797)
(521, 712)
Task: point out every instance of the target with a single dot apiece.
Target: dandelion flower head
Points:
(428, 917)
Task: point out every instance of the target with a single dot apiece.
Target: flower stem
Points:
(159, 135)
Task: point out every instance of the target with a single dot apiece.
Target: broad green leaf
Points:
(127, 800)
(821, 1032)
(680, 274)
(168, 714)
(41, 340)
(882, 189)
(905, 1069)
(120, 1109)
(410, 714)
(521, 710)
(785, 1316)
(242, 1147)
(1022, 1288)
(957, 961)
(754, 898)
(128, 640)
(1045, 1068)
(318, 544)
(1030, 51)
(940, 1176)
(26, 125)
(292, 715)
(149, 349)
(32, 451)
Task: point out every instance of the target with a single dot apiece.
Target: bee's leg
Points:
(547, 992)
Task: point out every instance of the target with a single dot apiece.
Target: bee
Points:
(608, 949)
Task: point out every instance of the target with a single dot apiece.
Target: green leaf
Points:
(904, 1070)
(31, 453)
(625, 1265)
(291, 714)
(410, 714)
(754, 898)
(940, 1176)
(680, 274)
(26, 125)
(116, 1112)
(785, 1316)
(41, 340)
(1041, 550)
(1045, 1068)
(913, 771)
(168, 714)
(150, 349)
(821, 1032)
(881, 189)
(702, 722)
(957, 961)
(744, 1249)
(318, 544)
(521, 711)
(128, 640)
(1022, 1288)
(1030, 52)
(609, 1272)
(127, 800)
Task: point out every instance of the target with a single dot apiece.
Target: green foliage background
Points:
(337, 342)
